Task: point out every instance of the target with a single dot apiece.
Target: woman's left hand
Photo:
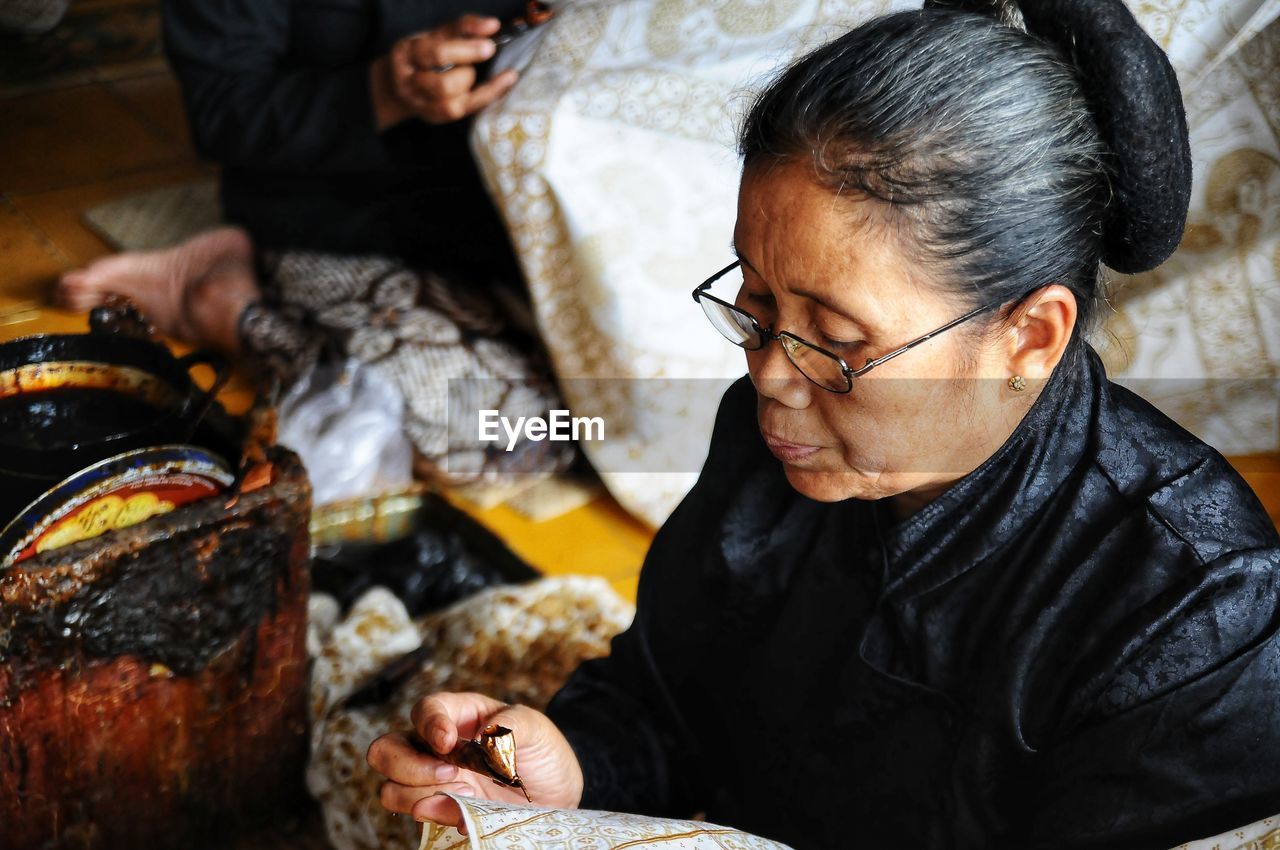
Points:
(433, 73)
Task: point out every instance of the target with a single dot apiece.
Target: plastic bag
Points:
(445, 558)
(346, 422)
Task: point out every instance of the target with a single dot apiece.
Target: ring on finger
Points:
(440, 69)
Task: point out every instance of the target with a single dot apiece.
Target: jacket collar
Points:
(984, 511)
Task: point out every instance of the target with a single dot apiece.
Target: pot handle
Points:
(201, 403)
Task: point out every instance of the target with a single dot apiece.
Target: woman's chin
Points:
(824, 486)
(836, 486)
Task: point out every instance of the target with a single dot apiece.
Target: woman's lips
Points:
(788, 452)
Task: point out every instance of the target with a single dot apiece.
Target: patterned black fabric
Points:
(1077, 645)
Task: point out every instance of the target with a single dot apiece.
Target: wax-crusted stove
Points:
(152, 678)
(152, 681)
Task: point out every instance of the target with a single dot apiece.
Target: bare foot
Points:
(212, 306)
(174, 288)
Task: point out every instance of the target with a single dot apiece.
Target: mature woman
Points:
(941, 584)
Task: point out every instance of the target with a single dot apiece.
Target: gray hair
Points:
(975, 133)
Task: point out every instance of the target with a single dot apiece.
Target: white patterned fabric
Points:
(613, 163)
(505, 826)
(515, 643)
(1263, 835)
(1200, 335)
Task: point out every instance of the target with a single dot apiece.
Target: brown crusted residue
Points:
(152, 681)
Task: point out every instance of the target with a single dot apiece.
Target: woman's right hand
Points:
(544, 760)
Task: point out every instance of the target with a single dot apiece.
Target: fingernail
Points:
(445, 772)
(488, 49)
(439, 740)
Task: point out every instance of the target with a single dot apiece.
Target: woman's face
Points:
(831, 271)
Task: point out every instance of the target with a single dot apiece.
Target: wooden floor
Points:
(1263, 474)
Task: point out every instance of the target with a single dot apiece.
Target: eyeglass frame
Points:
(768, 335)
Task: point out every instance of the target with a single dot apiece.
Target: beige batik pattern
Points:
(503, 826)
(1200, 336)
(500, 826)
(613, 163)
(516, 643)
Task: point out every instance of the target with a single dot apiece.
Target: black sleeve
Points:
(252, 103)
(249, 108)
(622, 713)
(1184, 741)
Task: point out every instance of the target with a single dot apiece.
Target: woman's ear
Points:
(1040, 328)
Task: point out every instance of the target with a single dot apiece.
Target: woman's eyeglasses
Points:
(820, 366)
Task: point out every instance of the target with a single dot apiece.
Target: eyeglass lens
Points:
(736, 326)
(733, 325)
(818, 366)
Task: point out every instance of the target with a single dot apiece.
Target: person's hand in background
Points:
(432, 75)
(545, 762)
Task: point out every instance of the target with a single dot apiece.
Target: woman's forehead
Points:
(805, 239)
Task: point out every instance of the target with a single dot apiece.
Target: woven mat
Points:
(158, 218)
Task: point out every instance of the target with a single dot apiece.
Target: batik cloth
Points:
(444, 345)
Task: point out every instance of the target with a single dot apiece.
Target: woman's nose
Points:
(776, 378)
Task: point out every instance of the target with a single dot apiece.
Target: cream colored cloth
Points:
(1263, 835)
(491, 826)
(515, 643)
(503, 826)
(1200, 336)
(613, 163)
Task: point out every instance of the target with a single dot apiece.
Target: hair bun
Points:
(1134, 95)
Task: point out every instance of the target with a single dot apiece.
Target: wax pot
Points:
(70, 400)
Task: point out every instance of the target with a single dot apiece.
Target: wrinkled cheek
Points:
(898, 422)
(866, 435)
(870, 457)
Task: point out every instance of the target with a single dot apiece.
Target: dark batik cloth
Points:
(1075, 646)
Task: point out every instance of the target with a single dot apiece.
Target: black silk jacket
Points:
(1076, 646)
(278, 92)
